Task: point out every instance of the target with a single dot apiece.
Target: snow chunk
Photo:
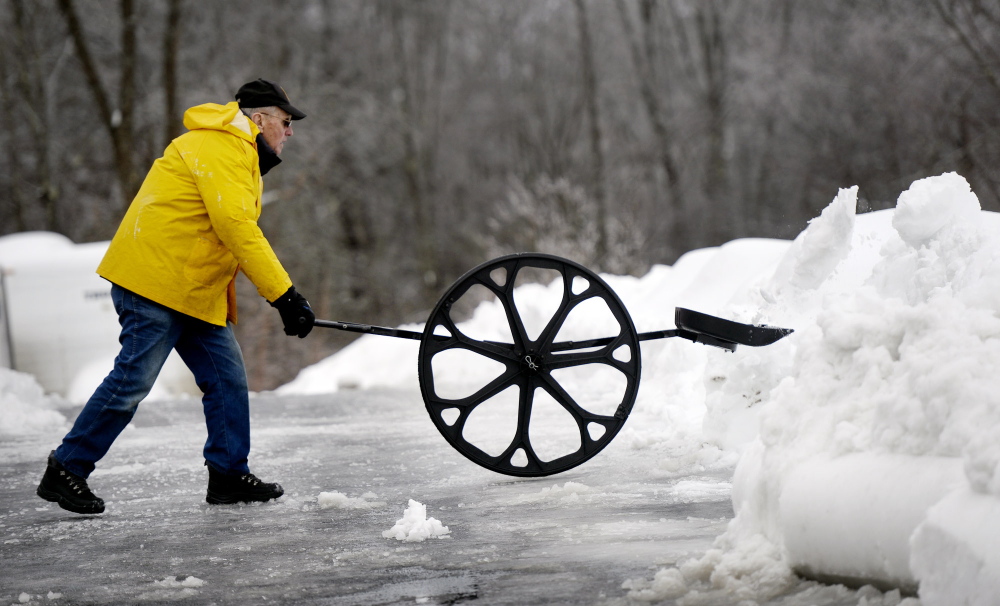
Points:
(823, 245)
(415, 526)
(931, 204)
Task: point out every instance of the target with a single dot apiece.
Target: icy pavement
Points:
(350, 463)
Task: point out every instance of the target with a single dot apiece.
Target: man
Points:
(172, 265)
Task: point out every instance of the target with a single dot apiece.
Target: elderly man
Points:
(172, 265)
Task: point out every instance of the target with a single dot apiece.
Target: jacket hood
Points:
(221, 117)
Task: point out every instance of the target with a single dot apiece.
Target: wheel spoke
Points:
(514, 321)
(468, 403)
(582, 416)
(561, 396)
(605, 355)
(558, 318)
(493, 351)
(523, 437)
(569, 302)
(500, 352)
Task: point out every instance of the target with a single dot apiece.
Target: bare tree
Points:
(642, 47)
(117, 119)
(598, 185)
(36, 81)
(975, 24)
(171, 40)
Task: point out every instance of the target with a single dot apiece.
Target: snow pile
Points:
(415, 526)
(338, 500)
(24, 407)
(864, 412)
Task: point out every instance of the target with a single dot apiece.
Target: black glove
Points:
(295, 312)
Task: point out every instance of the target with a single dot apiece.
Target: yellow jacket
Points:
(193, 224)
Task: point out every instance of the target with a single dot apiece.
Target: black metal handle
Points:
(385, 331)
(369, 329)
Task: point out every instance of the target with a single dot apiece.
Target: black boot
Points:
(68, 490)
(226, 489)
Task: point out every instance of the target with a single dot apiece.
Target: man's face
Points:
(273, 127)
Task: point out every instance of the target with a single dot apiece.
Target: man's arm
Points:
(226, 179)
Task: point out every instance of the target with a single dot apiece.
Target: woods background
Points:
(442, 133)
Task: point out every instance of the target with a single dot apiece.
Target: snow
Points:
(900, 363)
(24, 406)
(26, 598)
(864, 447)
(415, 526)
(338, 500)
(955, 550)
(174, 582)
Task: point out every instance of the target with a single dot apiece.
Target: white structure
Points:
(57, 321)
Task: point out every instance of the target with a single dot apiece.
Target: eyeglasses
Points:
(286, 121)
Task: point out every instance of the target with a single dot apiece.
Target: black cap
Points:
(264, 93)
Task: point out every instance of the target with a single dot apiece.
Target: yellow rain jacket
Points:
(193, 224)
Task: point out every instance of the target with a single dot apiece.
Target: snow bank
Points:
(24, 407)
(352, 367)
(891, 372)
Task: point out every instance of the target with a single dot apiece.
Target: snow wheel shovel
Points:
(545, 425)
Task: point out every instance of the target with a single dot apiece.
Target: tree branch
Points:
(89, 70)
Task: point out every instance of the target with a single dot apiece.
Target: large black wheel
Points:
(585, 338)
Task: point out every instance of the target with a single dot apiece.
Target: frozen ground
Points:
(574, 538)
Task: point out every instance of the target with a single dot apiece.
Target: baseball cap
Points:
(265, 93)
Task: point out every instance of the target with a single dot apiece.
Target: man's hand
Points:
(295, 312)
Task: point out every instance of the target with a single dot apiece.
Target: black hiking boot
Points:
(245, 488)
(68, 490)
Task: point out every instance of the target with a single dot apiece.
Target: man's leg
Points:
(214, 356)
(215, 359)
(149, 332)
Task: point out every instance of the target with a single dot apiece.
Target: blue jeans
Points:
(149, 332)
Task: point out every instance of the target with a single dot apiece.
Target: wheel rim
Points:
(529, 363)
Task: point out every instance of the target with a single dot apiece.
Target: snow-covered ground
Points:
(867, 442)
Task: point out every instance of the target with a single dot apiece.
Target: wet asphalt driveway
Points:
(572, 538)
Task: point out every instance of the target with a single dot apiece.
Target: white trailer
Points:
(58, 321)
